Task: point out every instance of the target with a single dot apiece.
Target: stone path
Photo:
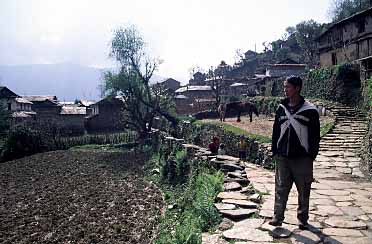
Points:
(340, 205)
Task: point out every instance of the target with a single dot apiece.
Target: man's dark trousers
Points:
(288, 170)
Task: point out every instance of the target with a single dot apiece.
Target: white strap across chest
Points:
(300, 129)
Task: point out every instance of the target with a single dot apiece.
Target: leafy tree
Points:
(305, 33)
(142, 102)
(341, 9)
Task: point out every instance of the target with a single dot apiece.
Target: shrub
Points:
(23, 141)
(191, 199)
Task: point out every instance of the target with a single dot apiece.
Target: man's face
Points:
(290, 90)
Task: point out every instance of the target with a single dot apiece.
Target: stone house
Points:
(72, 120)
(7, 98)
(284, 70)
(195, 92)
(46, 107)
(87, 105)
(171, 84)
(107, 115)
(20, 108)
(349, 40)
(198, 79)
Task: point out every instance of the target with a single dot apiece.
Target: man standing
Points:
(295, 144)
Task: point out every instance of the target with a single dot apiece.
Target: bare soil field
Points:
(77, 197)
(262, 125)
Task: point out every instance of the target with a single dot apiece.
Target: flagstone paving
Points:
(340, 201)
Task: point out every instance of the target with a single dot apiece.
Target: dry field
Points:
(77, 197)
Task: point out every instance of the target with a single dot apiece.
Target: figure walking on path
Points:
(295, 145)
(214, 145)
(242, 148)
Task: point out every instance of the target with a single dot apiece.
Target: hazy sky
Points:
(183, 33)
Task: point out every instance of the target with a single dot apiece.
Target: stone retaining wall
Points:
(202, 135)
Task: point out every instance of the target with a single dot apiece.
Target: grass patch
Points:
(237, 131)
(327, 127)
(190, 205)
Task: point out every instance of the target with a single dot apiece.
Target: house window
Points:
(9, 106)
(334, 59)
(361, 26)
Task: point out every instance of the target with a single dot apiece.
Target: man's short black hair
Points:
(294, 80)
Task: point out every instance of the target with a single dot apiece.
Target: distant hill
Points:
(66, 81)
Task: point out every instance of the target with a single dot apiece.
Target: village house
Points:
(72, 120)
(20, 108)
(46, 107)
(284, 70)
(195, 92)
(87, 104)
(349, 40)
(7, 98)
(107, 115)
(198, 79)
(169, 84)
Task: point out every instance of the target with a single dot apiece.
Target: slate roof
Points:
(193, 88)
(41, 98)
(22, 100)
(73, 110)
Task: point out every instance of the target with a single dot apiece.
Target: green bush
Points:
(340, 83)
(192, 197)
(23, 141)
(4, 119)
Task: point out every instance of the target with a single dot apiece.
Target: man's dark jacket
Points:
(290, 145)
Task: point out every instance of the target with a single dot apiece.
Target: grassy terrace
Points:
(237, 131)
(324, 129)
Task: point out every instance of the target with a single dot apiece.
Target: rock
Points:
(324, 210)
(333, 192)
(238, 213)
(231, 167)
(342, 232)
(342, 198)
(232, 186)
(225, 224)
(324, 201)
(213, 239)
(279, 231)
(338, 222)
(255, 198)
(347, 240)
(221, 206)
(367, 209)
(305, 237)
(241, 203)
(248, 235)
(191, 146)
(352, 211)
(266, 213)
(247, 189)
(232, 195)
(242, 181)
(228, 158)
(249, 223)
(234, 175)
(343, 204)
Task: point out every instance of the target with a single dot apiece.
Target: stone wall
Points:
(202, 135)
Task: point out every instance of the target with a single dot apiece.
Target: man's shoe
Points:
(275, 222)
